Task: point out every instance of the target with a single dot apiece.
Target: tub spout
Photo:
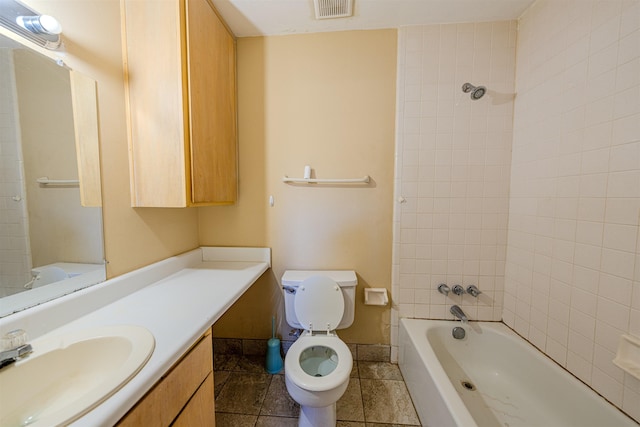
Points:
(457, 312)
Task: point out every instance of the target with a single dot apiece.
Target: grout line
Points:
(234, 370)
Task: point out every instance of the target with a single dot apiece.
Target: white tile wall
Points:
(15, 259)
(452, 160)
(572, 282)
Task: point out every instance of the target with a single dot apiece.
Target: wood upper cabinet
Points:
(180, 74)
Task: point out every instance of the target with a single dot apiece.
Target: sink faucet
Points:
(14, 347)
(457, 312)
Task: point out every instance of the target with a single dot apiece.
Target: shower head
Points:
(477, 92)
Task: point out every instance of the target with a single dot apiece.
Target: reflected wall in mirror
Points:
(50, 238)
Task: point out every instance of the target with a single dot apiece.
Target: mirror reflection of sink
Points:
(69, 374)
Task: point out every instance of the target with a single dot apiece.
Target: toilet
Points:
(318, 364)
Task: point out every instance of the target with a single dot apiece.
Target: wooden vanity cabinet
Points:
(180, 74)
(183, 396)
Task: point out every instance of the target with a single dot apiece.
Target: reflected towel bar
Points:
(46, 181)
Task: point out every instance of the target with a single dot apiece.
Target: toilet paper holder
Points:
(376, 296)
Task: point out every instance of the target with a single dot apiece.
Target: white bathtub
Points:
(513, 383)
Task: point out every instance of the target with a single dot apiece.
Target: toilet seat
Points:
(319, 304)
(334, 379)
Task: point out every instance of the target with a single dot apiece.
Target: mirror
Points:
(51, 241)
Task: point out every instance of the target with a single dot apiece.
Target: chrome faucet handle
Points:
(473, 291)
(13, 339)
(13, 346)
(443, 289)
(458, 290)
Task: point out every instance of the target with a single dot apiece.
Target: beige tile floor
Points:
(246, 396)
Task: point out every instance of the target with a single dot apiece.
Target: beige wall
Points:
(133, 237)
(573, 257)
(326, 100)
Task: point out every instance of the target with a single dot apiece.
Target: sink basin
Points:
(69, 374)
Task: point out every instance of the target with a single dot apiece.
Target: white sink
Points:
(69, 374)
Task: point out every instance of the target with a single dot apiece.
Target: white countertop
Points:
(177, 300)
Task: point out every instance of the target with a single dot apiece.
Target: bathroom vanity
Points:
(177, 300)
(184, 396)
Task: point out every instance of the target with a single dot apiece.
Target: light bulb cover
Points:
(40, 24)
(50, 24)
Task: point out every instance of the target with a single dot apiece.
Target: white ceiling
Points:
(248, 18)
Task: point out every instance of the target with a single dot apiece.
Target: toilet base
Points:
(324, 416)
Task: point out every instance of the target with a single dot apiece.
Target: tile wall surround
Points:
(452, 169)
(258, 347)
(566, 273)
(14, 250)
(572, 281)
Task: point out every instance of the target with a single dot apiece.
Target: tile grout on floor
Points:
(246, 396)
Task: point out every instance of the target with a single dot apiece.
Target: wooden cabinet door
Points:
(212, 106)
(200, 409)
(155, 91)
(161, 406)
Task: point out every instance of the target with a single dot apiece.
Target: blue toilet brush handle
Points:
(274, 360)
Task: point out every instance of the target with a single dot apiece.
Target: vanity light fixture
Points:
(43, 30)
(40, 24)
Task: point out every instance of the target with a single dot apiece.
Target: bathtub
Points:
(492, 377)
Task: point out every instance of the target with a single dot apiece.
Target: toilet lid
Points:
(319, 304)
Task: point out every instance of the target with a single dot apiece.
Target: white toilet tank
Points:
(346, 279)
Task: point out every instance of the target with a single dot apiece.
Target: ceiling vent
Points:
(326, 9)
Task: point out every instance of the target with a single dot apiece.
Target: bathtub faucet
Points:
(457, 312)
(473, 291)
(443, 289)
